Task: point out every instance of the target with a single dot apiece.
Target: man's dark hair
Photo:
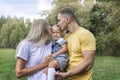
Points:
(68, 11)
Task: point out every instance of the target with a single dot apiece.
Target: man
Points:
(81, 47)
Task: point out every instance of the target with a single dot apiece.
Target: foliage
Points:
(12, 31)
(104, 23)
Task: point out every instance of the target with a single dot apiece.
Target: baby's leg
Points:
(54, 64)
(46, 70)
(51, 69)
(44, 75)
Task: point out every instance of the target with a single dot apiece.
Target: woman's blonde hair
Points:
(38, 33)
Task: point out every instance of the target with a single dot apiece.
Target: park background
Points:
(101, 17)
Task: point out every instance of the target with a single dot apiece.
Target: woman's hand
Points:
(48, 59)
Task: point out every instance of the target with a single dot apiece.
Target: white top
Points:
(33, 55)
(61, 41)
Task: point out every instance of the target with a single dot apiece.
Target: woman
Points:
(33, 52)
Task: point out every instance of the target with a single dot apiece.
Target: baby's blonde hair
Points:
(55, 26)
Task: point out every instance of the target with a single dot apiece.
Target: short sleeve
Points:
(61, 41)
(88, 42)
(23, 51)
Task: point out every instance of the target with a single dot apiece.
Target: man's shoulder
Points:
(84, 31)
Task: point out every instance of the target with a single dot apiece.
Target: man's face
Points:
(62, 22)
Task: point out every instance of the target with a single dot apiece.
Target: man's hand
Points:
(61, 75)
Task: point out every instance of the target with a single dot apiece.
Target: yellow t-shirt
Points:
(78, 41)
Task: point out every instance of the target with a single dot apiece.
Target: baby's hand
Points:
(54, 55)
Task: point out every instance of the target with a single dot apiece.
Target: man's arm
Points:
(85, 65)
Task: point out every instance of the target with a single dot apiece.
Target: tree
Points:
(2, 21)
(16, 36)
(28, 24)
(5, 35)
(104, 23)
(12, 31)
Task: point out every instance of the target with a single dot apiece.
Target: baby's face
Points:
(56, 33)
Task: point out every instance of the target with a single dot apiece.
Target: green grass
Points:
(105, 68)
(7, 64)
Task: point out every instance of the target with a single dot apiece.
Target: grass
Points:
(7, 64)
(105, 68)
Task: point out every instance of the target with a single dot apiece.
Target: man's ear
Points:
(68, 20)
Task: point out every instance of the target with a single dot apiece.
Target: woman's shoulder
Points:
(25, 43)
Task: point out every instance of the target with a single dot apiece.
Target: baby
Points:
(59, 49)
